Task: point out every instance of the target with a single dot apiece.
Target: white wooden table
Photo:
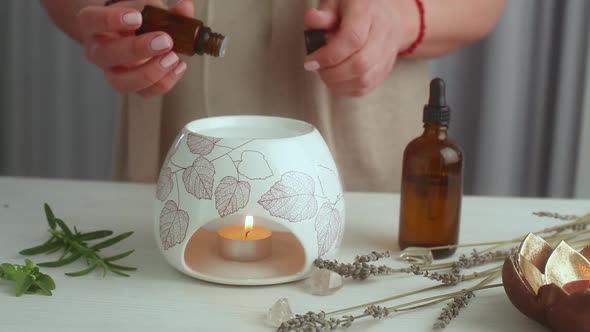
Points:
(158, 298)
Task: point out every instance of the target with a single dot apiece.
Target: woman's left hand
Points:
(366, 37)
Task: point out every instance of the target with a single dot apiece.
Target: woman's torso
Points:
(262, 73)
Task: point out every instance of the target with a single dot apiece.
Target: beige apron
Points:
(262, 73)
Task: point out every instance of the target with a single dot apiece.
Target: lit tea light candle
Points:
(244, 243)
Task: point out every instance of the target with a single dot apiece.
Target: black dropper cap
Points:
(437, 111)
(314, 39)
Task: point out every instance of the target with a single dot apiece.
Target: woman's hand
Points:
(141, 64)
(366, 37)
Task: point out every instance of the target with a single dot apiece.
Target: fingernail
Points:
(132, 19)
(320, 12)
(161, 42)
(173, 3)
(180, 68)
(170, 59)
(311, 66)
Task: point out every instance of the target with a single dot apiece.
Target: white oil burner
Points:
(248, 200)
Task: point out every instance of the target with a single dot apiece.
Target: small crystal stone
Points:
(417, 256)
(279, 313)
(324, 282)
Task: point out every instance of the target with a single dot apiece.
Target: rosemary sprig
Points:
(74, 245)
(27, 278)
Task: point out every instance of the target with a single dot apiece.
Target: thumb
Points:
(325, 17)
(184, 8)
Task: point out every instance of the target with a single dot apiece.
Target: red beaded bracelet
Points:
(421, 33)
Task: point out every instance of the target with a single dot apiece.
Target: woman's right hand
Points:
(141, 64)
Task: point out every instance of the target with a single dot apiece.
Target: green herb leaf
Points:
(50, 216)
(28, 279)
(23, 282)
(120, 273)
(81, 248)
(117, 257)
(111, 241)
(120, 267)
(42, 291)
(54, 250)
(45, 282)
(94, 235)
(64, 227)
(8, 269)
(44, 285)
(83, 272)
(30, 265)
(70, 259)
(46, 247)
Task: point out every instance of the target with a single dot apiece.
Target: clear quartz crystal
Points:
(279, 313)
(324, 282)
(417, 256)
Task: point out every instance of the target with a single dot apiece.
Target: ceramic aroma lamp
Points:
(248, 200)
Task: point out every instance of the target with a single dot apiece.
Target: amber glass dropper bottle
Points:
(190, 36)
(314, 40)
(432, 181)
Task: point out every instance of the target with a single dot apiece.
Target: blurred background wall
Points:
(520, 100)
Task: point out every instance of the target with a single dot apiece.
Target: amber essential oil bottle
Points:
(314, 40)
(190, 36)
(432, 181)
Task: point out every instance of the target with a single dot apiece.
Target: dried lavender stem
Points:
(580, 244)
(441, 266)
(452, 277)
(481, 274)
(481, 285)
(449, 265)
(372, 257)
(478, 244)
(580, 221)
(319, 321)
(367, 314)
(424, 305)
(566, 237)
(487, 280)
(583, 220)
(555, 215)
(447, 296)
(396, 297)
(452, 310)
(387, 299)
(314, 321)
(550, 239)
(355, 270)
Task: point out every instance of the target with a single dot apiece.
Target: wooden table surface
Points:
(158, 298)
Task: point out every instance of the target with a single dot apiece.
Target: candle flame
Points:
(248, 225)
